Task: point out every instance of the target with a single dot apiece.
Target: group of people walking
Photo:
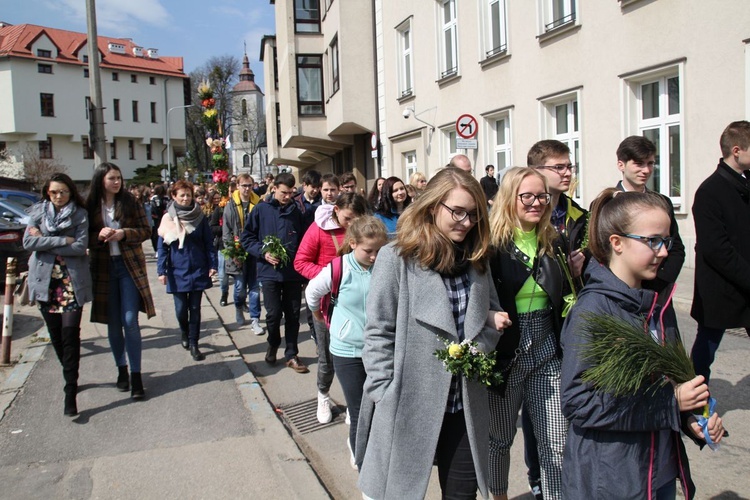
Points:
(496, 273)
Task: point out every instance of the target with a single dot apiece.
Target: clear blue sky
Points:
(188, 28)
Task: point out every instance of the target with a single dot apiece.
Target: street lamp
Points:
(169, 151)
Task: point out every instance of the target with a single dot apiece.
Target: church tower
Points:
(248, 149)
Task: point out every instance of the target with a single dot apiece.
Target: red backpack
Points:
(328, 302)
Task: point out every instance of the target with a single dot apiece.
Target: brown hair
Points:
(181, 184)
(542, 150)
(367, 226)
(736, 134)
(418, 237)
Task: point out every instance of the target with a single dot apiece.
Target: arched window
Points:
(244, 107)
(245, 136)
(246, 161)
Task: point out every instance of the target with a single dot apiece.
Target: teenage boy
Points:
(282, 285)
(329, 189)
(636, 159)
(348, 182)
(309, 198)
(721, 211)
(241, 203)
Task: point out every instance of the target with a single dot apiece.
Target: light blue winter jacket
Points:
(349, 318)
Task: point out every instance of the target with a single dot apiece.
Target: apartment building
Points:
(45, 85)
(320, 86)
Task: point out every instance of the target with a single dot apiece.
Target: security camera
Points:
(407, 112)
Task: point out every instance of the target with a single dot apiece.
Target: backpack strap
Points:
(336, 269)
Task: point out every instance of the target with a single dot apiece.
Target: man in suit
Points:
(721, 211)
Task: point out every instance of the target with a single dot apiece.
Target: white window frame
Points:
(490, 47)
(405, 58)
(448, 138)
(410, 163)
(550, 20)
(636, 124)
(505, 148)
(448, 30)
(573, 129)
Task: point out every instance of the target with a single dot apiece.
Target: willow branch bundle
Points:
(624, 357)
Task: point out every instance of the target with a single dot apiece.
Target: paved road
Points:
(209, 430)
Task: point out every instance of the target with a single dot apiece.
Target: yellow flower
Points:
(455, 351)
(210, 113)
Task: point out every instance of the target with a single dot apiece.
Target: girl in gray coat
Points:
(432, 284)
(59, 278)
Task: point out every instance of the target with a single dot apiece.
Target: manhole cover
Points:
(302, 416)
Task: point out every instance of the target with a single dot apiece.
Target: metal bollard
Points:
(10, 285)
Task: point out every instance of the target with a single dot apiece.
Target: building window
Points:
(44, 68)
(557, 13)
(275, 70)
(410, 163)
(135, 111)
(88, 153)
(113, 149)
(405, 68)
(310, 84)
(43, 53)
(3, 147)
(47, 102)
(116, 109)
(85, 72)
(561, 122)
(448, 143)
(449, 42)
(654, 102)
(244, 107)
(496, 28)
(131, 149)
(87, 105)
(499, 126)
(86, 59)
(334, 65)
(153, 112)
(148, 152)
(245, 136)
(278, 124)
(306, 16)
(45, 149)
(133, 78)
(246, 161)
(115, 77)
(152, 80)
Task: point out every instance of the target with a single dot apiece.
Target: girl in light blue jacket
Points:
(362, 241)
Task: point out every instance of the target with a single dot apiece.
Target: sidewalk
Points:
(205, 430)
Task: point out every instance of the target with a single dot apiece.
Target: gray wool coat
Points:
(406, 389)
(46, 247)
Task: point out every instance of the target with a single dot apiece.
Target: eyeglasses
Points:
(560, 169)
(461, 215)
(528, 199)
(246, 186)
(654, 242)
(62, 192)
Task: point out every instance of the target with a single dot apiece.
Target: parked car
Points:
(25, 198)
(11, 245)
(14, 212)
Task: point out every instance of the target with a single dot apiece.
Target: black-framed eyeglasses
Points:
(654, 242)
(528, 199)
(561, 168)
(461, 215)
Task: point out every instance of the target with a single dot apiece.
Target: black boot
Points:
(71, 340)
(223, 301)
(196, 353)
(185, 343)
(71, 409)
(122, 379)
(135, 380)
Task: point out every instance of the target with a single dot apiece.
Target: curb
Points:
(12, 385)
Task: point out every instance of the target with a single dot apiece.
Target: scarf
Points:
(57, 220)
(461, 262)
(179, 221)
(238, 203)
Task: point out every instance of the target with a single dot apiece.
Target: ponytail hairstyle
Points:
(353, 201)
(361, 228)
(613, 212)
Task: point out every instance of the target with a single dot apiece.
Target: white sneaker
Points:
(324, 408)
(348, 421)
(255, 327)
(352, 461)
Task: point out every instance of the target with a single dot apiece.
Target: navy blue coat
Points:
(187, 268)
(613, 443)
(287, 223)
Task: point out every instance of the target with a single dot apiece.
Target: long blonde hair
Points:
(418, 236)
(504, 217)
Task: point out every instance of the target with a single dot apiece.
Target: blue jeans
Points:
(223, 276)
(704, 349)
(123, 304)
(246, 283)
(187, 306)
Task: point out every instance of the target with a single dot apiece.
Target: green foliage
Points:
(148, 174)
(469, 360)
(273, 245)
(625, 357)
(235, 252)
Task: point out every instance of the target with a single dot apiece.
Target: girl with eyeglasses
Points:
(631, 446)
(59, 279)
(530, 285)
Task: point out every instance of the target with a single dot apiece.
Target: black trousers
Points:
(458, 478)
(283, 298)
(65, 336)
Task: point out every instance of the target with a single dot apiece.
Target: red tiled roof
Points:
(16, 41)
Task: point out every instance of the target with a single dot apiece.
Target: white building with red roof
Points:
(45, 87)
